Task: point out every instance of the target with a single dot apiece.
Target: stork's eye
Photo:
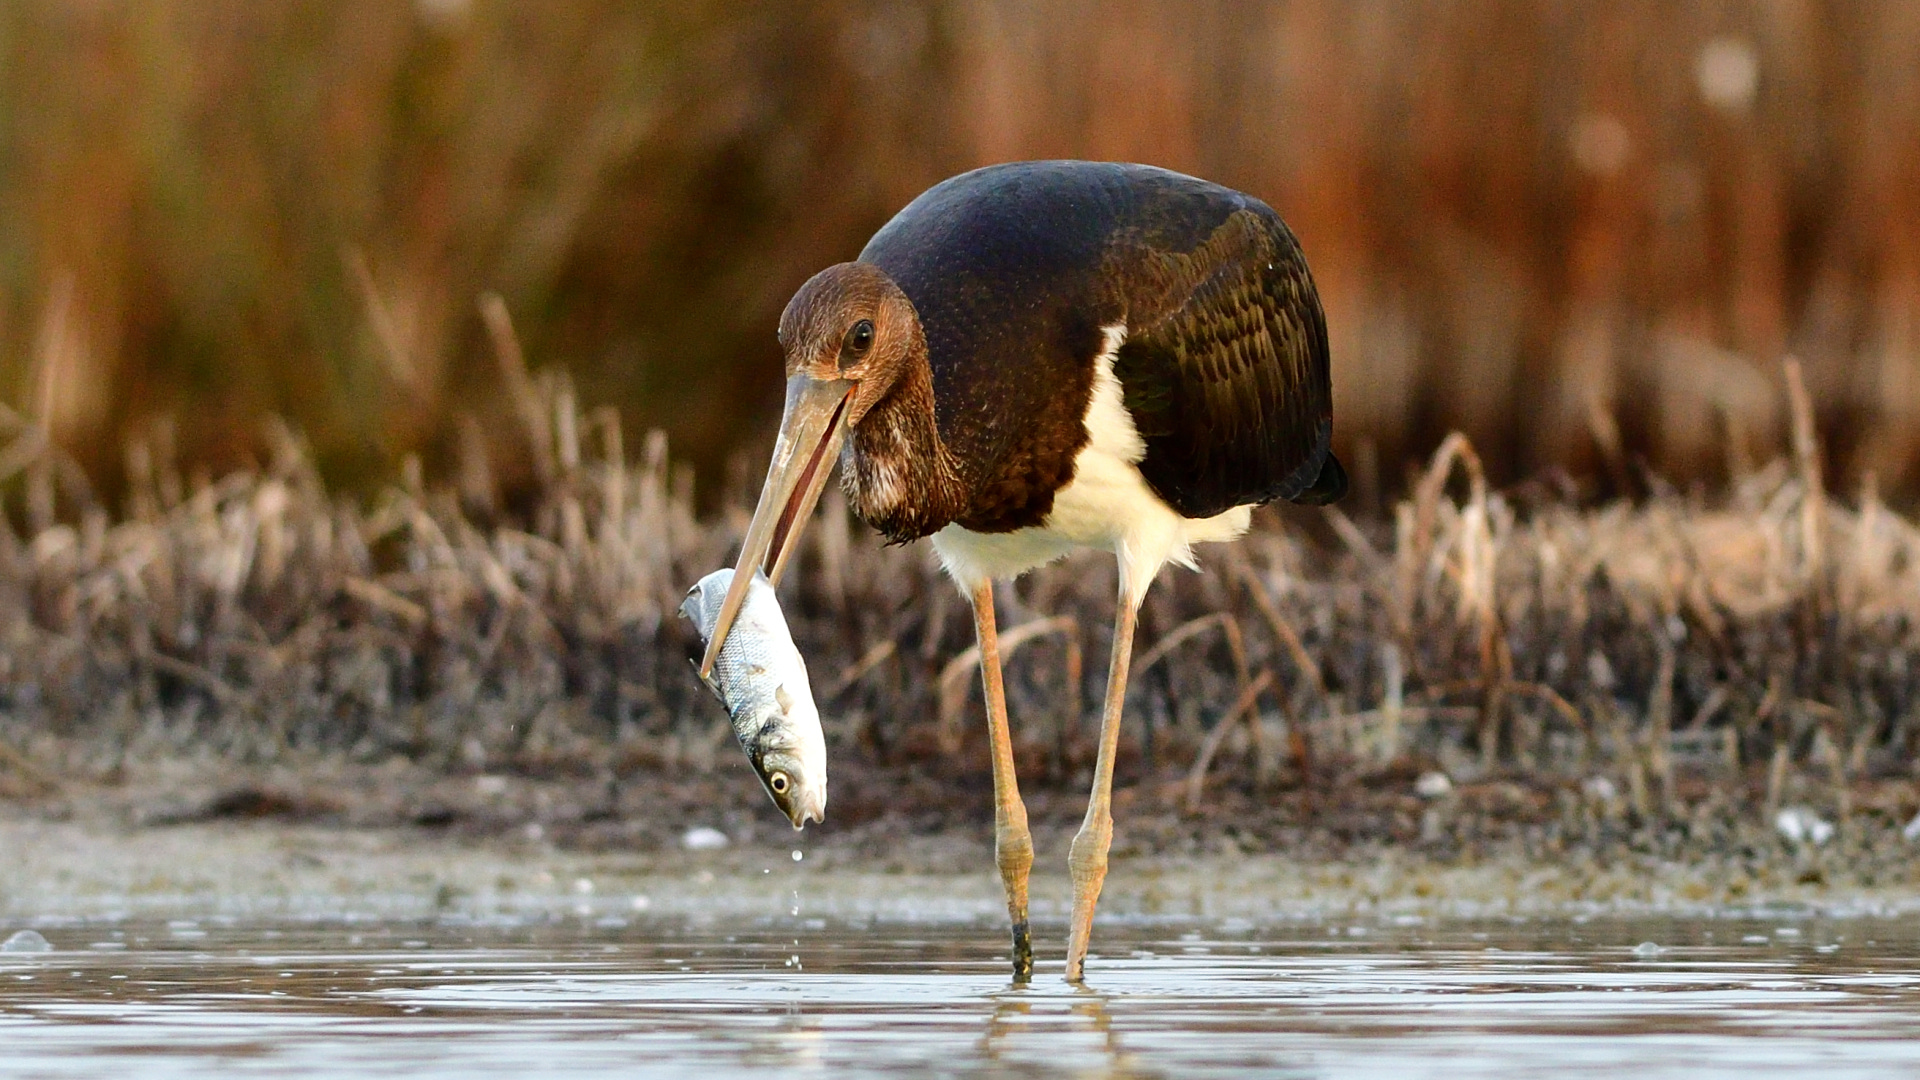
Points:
(859, 339)
(779, 783)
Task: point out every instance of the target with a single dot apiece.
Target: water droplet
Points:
(704, 838)
(26, 941)
(798, 855)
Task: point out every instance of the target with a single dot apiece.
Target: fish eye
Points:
(859, 339)
(779, 783)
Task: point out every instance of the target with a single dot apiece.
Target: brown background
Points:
(1533, 222)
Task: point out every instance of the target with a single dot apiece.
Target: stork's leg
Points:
(1087, 862)
(1012, 843)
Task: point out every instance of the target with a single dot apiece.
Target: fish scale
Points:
(761, 679)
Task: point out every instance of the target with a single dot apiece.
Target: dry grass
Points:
(1703, 657)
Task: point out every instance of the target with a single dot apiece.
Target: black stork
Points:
(1042, 356)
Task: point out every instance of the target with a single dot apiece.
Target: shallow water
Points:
(637, 997)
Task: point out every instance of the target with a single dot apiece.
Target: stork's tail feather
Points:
(1328, 487)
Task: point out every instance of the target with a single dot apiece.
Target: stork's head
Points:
(849, 334)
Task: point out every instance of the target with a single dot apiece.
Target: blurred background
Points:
(1584, 234)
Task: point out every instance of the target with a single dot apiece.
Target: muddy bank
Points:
(401, 840)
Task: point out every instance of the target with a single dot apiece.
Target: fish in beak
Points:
(812, 427)
(762, 681)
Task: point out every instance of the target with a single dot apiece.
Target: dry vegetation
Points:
(1707, 662)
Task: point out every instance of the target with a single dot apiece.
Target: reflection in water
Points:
(1717, 997)
(1003, 1021)
(1014, 1034)
(1092, 1005)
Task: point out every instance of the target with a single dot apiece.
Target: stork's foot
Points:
(1087, 864)
(1012, 843)
(1013, 850)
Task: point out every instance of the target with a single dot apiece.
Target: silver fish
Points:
(762, 681)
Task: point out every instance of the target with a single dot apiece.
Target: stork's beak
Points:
(811, 430)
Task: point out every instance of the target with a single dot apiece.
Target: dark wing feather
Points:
(1015, 269)
(1226, 376)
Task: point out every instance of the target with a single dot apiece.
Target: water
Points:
(567, 996)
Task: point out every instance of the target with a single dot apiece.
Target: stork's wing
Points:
(1228, 381)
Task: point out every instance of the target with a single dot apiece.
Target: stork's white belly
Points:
(1107, 506)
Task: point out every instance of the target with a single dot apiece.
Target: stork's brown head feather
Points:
(850, 321)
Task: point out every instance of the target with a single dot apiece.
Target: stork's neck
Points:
(898, 474)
